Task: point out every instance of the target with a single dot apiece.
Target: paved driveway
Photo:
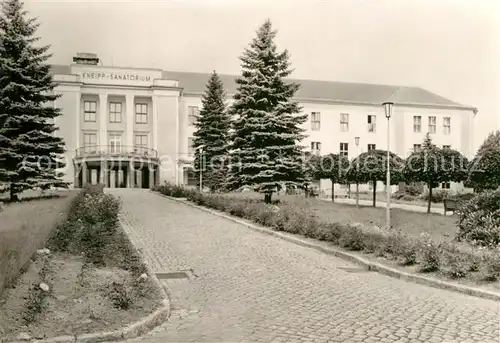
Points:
(246, 286)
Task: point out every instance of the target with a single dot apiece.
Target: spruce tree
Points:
(212, 133)
(265, 154)
(30, 152)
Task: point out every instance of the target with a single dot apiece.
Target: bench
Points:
(450, 205)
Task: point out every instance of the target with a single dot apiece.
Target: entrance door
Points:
(145, 178)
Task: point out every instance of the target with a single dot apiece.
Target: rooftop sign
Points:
(111, 76)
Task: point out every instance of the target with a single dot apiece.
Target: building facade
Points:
(133, 127)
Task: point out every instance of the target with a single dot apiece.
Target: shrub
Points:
(120, 295)
(91, 225)
(429, 255)
(408, 193)
(454, 262)
(479, 220)
(437, 196)
(352, 239)
(169, 189)
(491, 266)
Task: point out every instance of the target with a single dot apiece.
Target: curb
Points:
(374, 266)
(133, 330)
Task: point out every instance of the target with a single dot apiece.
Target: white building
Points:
(139, 122)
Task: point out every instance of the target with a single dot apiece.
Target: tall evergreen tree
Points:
(265, 153)
(212, 133)
(30, 151)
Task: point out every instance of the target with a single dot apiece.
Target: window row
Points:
(141, 142)
(115, 112)
(371, 122)
(418, 147)
(343, 148)
(432, 124)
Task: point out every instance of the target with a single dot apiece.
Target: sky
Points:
(449, 47)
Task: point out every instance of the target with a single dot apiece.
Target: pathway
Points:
(246, 286)
(407, 207)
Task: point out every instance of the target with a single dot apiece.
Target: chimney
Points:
(86, 58)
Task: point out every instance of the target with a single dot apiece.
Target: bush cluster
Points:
(91, 225)
(479, 220)
(451, 259)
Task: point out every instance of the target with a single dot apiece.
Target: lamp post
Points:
(356, 141)
(200, 148)
(388, 112)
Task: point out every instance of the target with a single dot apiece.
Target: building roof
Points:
(194, 83)
(329, 91)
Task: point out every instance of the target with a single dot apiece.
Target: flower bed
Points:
(89, 278)
(449, 259)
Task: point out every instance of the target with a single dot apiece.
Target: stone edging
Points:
(374, 266)
(133, 330)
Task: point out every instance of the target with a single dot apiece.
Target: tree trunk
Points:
(333, 191)
(430, 197)
(13, 193)
(375, 193)
(267, 198)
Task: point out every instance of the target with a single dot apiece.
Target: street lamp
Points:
(200, 148)
(388, 112)
(356, 141)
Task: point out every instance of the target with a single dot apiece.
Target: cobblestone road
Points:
(251, 287)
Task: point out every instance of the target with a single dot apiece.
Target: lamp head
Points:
(356, 141)
(388, 108)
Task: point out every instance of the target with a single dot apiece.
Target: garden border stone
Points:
(132, 330)
(374, 266)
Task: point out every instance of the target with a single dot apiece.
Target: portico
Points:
(117, 172)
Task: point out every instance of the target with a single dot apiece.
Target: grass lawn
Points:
(441, 228)
(24, 228)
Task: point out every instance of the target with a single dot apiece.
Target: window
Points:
(89, 111)
(316, 148)
(417, 147)
(115, 112)
(432, 124)
(344, 122)
(89, 142)
(141, 113)
(372, 123)
(190, 146)
(372, 147)
(344, 149)
(446, 146)
(192, 180)
(193, 113)
(445, 185)
(315, 121)
(446, 125)
(417, 124)
(115, 143)
(141, 144)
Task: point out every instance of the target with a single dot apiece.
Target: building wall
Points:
(168, 128)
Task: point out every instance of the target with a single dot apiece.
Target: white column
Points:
(103, 120)
(154, 136)
(85, 174)
(129, 136)
(78, 116)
